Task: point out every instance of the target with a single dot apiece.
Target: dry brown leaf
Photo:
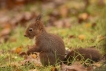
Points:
(31, 59)
(33, 70)
(7, 25)
(16, 19)
(88, 25)
(64, 11)
(5, 31)
(12, 39)
(33, 56)
(4, 18)
(15, 64)
(74, 67)
(64, 23)
(4, 34)
(94, 25)
(4, 38)
(72, 36)
(81, 37)
(28, 15)
(97, 64)
(54, 69)
(84, 16)
(18, 49)
(91, 68)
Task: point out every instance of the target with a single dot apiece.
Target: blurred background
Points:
(55, 13)
(80, 23)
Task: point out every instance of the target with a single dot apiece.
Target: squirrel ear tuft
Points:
(38, 22)
(38, 18)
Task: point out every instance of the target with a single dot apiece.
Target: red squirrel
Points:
(51, 47)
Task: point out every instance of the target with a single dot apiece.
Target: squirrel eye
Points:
(30, 29)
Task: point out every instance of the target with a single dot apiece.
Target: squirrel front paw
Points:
(29, 51)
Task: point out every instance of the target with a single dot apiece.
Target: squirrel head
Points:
(35, 28)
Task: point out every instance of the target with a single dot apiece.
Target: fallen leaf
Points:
(4, 38)
(7, 25)
(94, 25)
(83, 17)
(4, 18)
(54, 69)
(101, 3)
(33, 70)
(97, 64)
(18, 49)
(88, 25)
(64, 23)
(81, 37)
(90, 68)
(64, 11)
(72, 36)
(31, 59)
(74, 67)
(15, 64)
(12, 39)
(33, 56)
(5, 31)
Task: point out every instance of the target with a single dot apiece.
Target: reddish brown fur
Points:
(87, 53)
(51, 47)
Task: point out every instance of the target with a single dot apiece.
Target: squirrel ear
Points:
(38, 18)
(39, 23)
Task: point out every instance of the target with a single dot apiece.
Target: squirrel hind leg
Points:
(47, 59)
